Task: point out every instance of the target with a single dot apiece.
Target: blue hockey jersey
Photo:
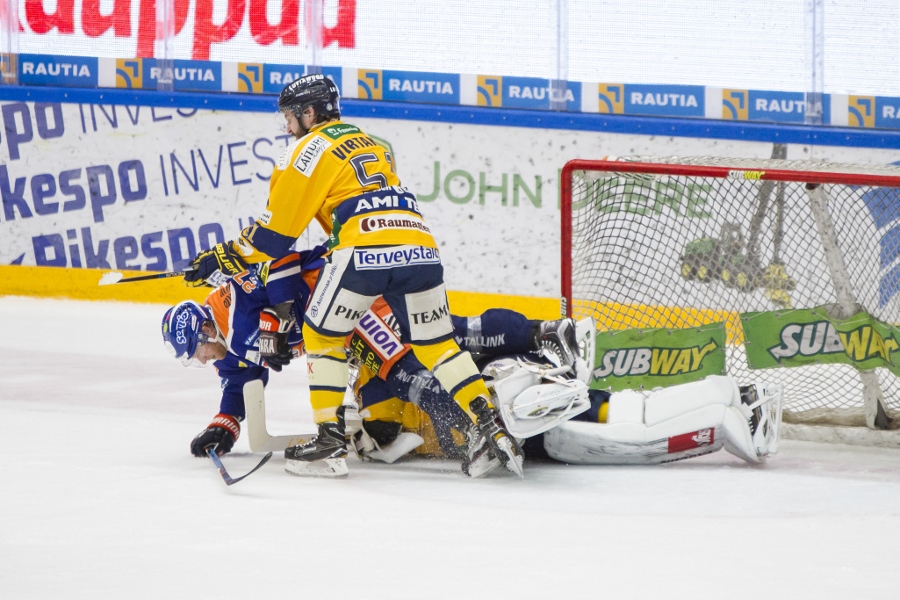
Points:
(235, 307)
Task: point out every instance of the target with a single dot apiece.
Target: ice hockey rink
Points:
(100, 498)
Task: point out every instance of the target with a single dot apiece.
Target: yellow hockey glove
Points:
(222, 258)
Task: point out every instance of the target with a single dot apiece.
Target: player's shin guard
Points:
(328, 374)
(456, 372)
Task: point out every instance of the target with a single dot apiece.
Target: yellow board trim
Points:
(81, 284)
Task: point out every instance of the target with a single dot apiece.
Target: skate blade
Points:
(327, 467)
(480, 468)
(514, 460)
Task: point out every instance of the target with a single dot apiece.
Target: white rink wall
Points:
(122, 187)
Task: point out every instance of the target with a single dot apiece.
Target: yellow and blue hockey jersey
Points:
(342, 178)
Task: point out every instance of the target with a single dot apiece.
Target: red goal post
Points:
(678, 242)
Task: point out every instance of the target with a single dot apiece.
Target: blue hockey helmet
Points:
(182, 330)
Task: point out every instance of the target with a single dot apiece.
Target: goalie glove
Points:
(208, 267)
(221, 433)
(273, 342)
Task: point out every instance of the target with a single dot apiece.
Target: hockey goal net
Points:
(676, 243)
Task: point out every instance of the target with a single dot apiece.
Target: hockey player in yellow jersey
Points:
(379, 245)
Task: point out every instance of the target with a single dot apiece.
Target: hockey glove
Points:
(273, 334)
(221, 258)
(222, 433)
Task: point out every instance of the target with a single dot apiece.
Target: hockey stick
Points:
(117, 277)
(211, 451)
(257, 433)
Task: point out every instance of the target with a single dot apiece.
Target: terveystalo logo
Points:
(648, 358)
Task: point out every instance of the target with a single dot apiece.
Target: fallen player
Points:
(232, 331)
(409, 411)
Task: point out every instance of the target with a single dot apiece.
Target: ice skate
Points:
(557, 341)
(488, 442)
(323, 456)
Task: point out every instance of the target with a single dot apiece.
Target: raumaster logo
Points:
(368, 84)
(735, 105)
(411, 86)
(665, 100)
(373, 224)
(883, 204)
(129, 73)
(199, 75)
(611, 98)
(45, 69)
(784, 107)
(275, 77)
(533, 92)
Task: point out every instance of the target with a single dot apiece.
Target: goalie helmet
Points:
(311, 90)
(182, 330)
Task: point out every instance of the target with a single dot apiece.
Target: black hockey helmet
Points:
(311, 90)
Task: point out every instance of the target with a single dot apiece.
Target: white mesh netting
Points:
(678, 251)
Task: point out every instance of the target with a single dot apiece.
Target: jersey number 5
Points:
(359, 166)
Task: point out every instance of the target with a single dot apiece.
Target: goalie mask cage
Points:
(673, 242)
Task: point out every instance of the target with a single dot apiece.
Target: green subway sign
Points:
(811, 336)
(650, 358)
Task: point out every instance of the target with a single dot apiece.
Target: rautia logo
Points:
(395, 256)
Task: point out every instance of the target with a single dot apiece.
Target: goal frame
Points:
(873, 400)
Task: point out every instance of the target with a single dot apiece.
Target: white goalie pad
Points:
(672, 424)
(628, 443)
(534, 398)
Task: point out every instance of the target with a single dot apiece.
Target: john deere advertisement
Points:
(810, 336)
(649, 358)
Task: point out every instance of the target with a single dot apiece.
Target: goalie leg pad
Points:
(671, 402)
(628, 443)
(738, 439)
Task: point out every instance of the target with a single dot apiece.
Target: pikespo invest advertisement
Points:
(144, 188)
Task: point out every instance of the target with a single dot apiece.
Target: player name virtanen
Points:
(354, 143)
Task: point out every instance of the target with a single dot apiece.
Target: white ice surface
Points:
(100, 498)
